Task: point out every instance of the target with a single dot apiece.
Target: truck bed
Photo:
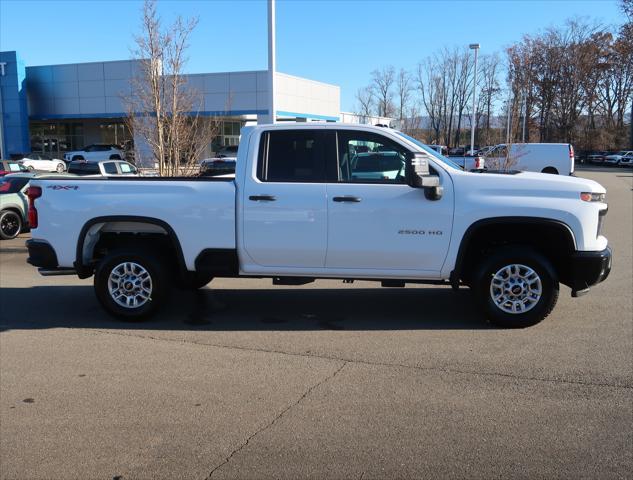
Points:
(202, 205)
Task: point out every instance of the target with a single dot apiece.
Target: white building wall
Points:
(307, 98)
(348, 117)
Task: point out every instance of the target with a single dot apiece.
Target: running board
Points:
(292, 280)
(57, 271)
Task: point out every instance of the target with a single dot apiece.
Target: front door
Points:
(378, 222)
(285, 209)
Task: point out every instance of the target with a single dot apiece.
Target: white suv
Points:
(96, 152)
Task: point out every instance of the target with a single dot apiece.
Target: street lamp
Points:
(475, 47)
(272, 62)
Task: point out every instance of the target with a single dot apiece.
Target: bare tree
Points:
(627, 8)
(382, 83)
(163, 110)
(430, 86)
(490, 90)
(404, 90)
(365, 101)
(463, 86)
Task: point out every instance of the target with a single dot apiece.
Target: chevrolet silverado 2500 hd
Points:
(327, 201)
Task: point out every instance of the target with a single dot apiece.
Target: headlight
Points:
(593, 197)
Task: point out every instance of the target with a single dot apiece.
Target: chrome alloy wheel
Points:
(130, 285)
(516, 289)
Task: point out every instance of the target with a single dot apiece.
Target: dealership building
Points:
(57, 108)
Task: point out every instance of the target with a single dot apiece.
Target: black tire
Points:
(194, 281)
(30, 168)
(61, 168)
(158, 286)
(485, 284)
(551, 170)
(115, 157)
(77, 157)
(10, 224)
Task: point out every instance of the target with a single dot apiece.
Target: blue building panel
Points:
(13, 106)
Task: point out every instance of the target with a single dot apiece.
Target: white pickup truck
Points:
(327, 201)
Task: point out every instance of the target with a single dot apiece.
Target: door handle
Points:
(263, 198)
(347, 198)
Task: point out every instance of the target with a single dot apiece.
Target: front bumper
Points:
(588, 269)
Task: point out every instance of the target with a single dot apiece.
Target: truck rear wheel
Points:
(130, 284)
(516, 287)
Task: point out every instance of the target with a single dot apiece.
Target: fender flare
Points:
(84, 271)
(456, 274)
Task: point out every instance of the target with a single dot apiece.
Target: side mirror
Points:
(420, 177)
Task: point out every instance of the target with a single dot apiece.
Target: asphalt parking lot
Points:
(327, 380)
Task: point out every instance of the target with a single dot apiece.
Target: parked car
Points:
(13, 206)
(616, 158)
(228, 151)
(296, 212)
(96, 152)
(384, 165)
(597, 157)
(106, 168)
(210, 167)
(14, 202)
(11, 166)
(626, 160)
(43, 162)
(441, 149)
(555, 158)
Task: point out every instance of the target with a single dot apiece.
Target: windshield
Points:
(435, 155)
(13, 184)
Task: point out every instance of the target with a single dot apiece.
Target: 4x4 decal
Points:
(63, 187)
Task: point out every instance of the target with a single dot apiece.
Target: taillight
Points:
(571, 152)
(33, 193)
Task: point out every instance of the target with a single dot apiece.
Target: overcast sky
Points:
(337, 42)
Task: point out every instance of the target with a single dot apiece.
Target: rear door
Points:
(376, 221)
(284, 204)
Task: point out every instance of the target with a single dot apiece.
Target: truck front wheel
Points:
(130, 284)
(516, 287)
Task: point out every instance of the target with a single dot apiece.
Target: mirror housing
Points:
(420, 176)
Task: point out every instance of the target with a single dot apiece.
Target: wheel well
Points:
(77, 157)
(549, 170)
(552, 239)
(18, 213)
(101, 236)
(115, 157)
(14, 210)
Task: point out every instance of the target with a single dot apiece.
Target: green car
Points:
(14, 204)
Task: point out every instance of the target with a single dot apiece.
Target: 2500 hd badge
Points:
(420, 232)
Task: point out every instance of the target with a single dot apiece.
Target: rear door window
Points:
(84, 169)
(110, 168)
(292, 156)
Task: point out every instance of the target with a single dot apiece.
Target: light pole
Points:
(475, 47)
(272, 61)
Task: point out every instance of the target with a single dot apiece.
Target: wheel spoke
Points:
(130, 285)
(515, 288)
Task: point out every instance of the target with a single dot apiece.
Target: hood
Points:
(533, 184)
